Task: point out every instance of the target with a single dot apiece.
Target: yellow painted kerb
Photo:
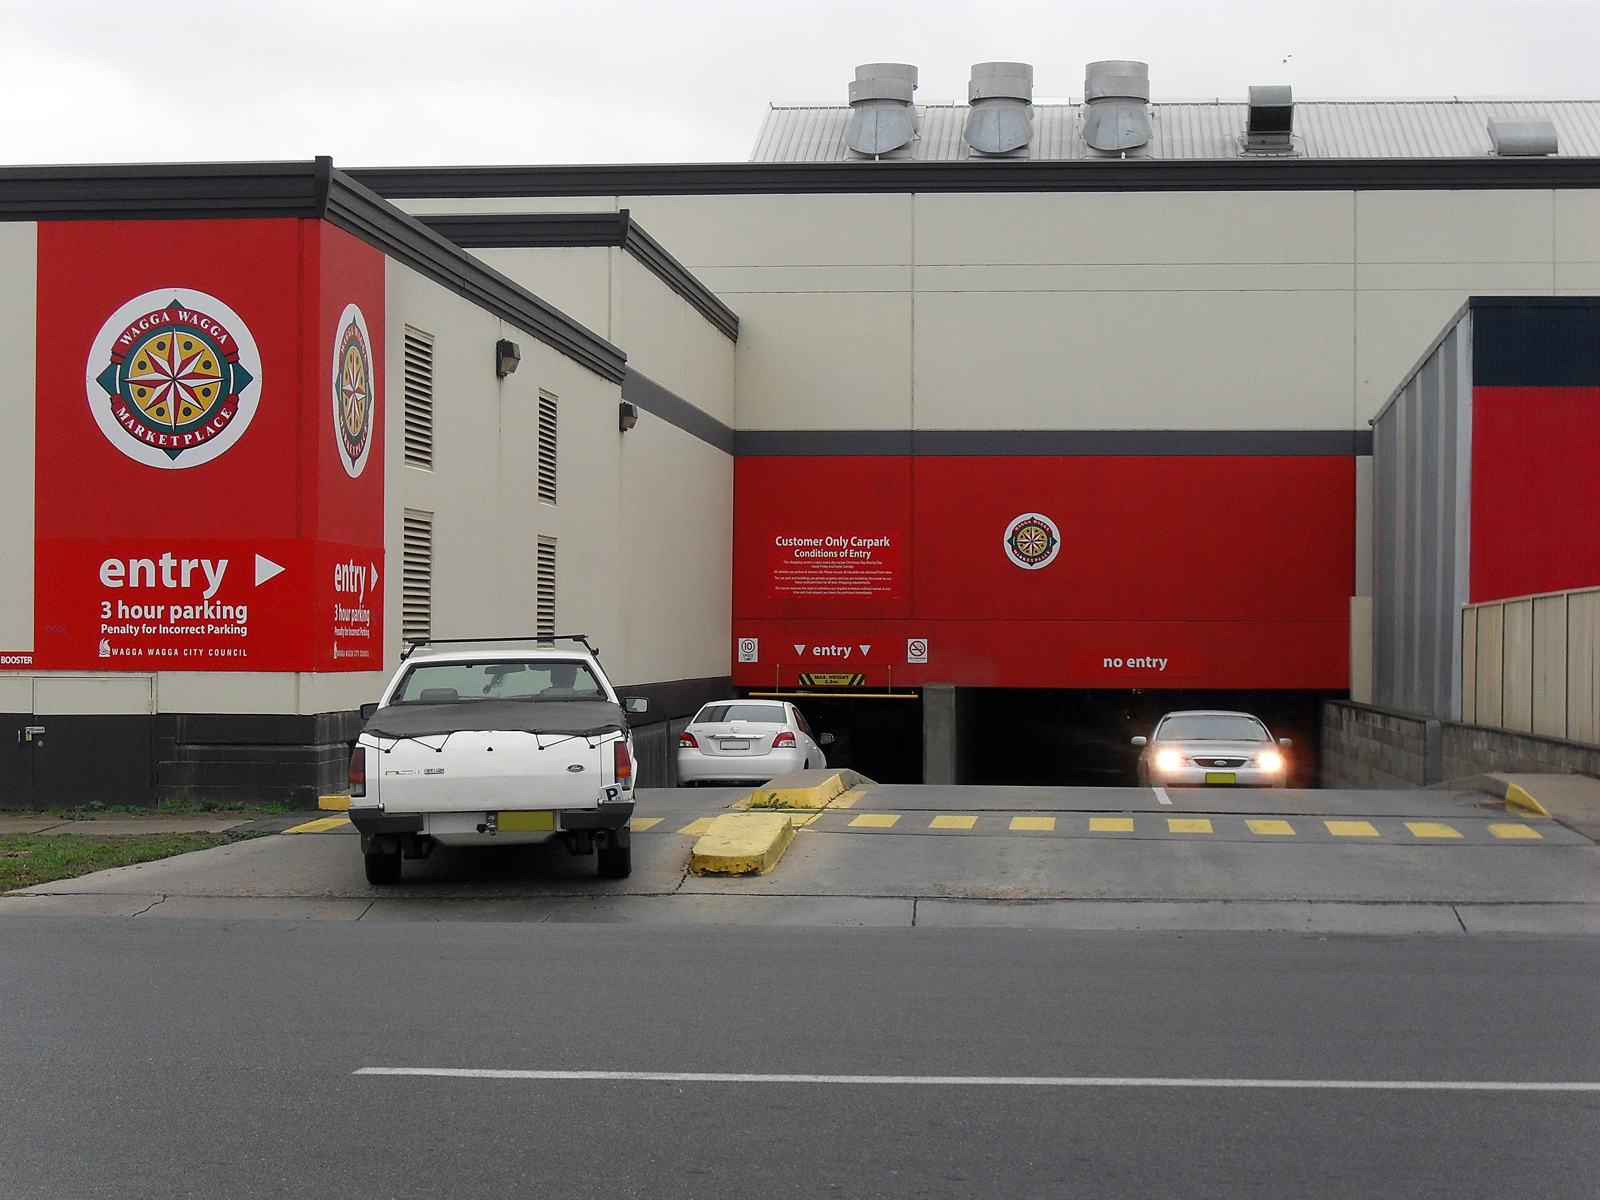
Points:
(340, 803)
(743, 843)
(816, 795)
(1516, 797)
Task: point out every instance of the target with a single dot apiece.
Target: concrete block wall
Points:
(1367, 747)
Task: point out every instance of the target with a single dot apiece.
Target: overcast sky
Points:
(482, 81)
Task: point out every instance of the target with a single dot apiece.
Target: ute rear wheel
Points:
(615, 863)
(382, 868)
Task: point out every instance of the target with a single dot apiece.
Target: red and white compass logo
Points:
(353, 390)
(173, 378)
(1032, 541)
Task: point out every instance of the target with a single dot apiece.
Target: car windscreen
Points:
(1212, 729)
(497, 679)
(752, 714)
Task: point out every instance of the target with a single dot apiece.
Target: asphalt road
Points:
(215, 1057)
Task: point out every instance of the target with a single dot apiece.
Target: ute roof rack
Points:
(414, 644)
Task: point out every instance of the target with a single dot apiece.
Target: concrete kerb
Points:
(802, 790)
(742, 843)
(1504, 787)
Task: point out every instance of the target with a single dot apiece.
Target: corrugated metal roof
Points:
(1342, 129)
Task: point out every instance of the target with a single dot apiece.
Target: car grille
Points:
(1219, 762)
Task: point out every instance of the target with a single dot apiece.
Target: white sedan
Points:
(746, 741)
(1202, 747)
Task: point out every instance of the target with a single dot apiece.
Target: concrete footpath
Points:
(1451, 863)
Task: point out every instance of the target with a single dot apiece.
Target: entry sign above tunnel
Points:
(209, 484)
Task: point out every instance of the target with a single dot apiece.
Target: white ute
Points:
(488, 742)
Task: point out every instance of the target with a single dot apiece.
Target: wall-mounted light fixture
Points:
(506, 357)
(627, 416)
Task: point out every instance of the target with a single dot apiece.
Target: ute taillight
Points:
(624, 763)
(686, 740)
(358, 771)
(783, 739)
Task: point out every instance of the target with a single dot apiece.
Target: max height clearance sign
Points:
(209, 484)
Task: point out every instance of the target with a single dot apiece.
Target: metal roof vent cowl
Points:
(1000, 116)
(882, 116)
(1269, 126)
(1115, 93)
(1522, 137)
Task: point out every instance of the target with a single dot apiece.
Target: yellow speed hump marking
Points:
(1431, 829)
(1188, 825)
(950, 822)
(1351, 828)
(1110, 824)
(1515, 831)
(1041, 824)
(697, 828)
(640, 824)
(875, 820)
(1271, 828)
(321, 825)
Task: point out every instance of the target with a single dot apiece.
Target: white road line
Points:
(1056, 1081)
(1161, 795)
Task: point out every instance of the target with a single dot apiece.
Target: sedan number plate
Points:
(1221, 777)
(736, 745)
(526, 822)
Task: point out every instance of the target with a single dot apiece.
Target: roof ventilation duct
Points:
(1115, 93)
(882, 116)
(1000, 118)
(1523, 137)
(1269, 127)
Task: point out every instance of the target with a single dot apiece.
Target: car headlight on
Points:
(1169, 760)
(1270, 761)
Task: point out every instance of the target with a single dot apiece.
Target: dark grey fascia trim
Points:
(297, 190)
(990, 175)
(541, 230)
(1056, 442)
(358, 210)
(672, 408)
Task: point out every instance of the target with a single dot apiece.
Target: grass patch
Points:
(30, 858)
(167, 808)
(775, 802)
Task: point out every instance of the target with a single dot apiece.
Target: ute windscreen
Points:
(449, 683)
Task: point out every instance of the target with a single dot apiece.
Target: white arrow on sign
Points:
(266, 569)
(865, 650)
(374, 582)
(800, 649)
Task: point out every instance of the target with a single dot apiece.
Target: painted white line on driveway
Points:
(1161, 795)
(1057, 1081)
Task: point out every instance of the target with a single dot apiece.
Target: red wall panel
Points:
(1171, 571)
(1535, 490)
(125, 477)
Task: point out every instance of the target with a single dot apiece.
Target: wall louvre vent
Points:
(416, 584)
(547, 449)
(419, 399)
(544, 618)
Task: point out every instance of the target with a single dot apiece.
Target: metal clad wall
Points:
(1419, 502)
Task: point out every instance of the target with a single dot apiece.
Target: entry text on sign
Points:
(141, 572)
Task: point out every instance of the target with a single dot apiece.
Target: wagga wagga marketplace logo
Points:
(353, 390)
(1032, 541)
(173, 378)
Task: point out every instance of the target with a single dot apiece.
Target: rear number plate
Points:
(736, 745)
(1221, 777)
(526, 822)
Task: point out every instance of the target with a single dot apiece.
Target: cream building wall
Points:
(1129, 310)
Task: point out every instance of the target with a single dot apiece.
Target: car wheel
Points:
(616, 863)
(382, 868)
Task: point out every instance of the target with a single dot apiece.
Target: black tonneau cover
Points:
(577, 718)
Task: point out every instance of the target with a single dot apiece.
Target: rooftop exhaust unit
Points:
(1269, 127)
(1522, 137)
(882, 116)
(1000, 119)
(1115, 93)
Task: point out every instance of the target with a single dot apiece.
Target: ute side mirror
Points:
(1140, 741)
(368, 711)
(825, 739)
(636, 704)
(1285, 741)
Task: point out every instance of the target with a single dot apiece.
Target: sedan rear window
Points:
(450, 683)
(754, 714)
(1212, 729)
